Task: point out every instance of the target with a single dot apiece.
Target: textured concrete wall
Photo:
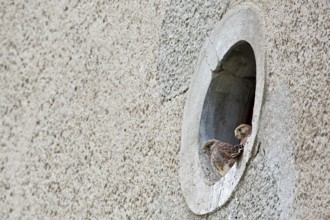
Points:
(91, 102)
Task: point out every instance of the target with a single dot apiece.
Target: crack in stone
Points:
(169, 99)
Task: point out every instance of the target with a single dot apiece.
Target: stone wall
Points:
(91, 102)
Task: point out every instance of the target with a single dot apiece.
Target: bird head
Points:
(208, 146)
(243, 131)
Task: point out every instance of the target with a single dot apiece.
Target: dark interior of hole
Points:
(229, 101)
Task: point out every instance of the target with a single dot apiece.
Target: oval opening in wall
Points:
(226, 90)
(229, 101)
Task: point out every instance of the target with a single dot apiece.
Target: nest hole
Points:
(229, 101)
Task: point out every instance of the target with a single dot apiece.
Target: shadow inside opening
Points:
(229, 101)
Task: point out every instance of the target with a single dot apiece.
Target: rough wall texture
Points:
(84, 130)
(91, 101)
(185, 27)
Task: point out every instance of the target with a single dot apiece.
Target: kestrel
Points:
(242, 132)
(224, 155)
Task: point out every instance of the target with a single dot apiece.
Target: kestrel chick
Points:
(242, 132)
(222, 155)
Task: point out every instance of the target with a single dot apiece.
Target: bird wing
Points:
(227, 150)
(221, 155)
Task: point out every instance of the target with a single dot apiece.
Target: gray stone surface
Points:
(91, 102)
(184, 29)
(84, 130)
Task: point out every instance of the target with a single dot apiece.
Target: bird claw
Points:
(236, 154)
(240, 146)
(240, 151)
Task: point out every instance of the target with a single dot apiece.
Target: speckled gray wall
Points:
(91, 102)
(185, 27)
